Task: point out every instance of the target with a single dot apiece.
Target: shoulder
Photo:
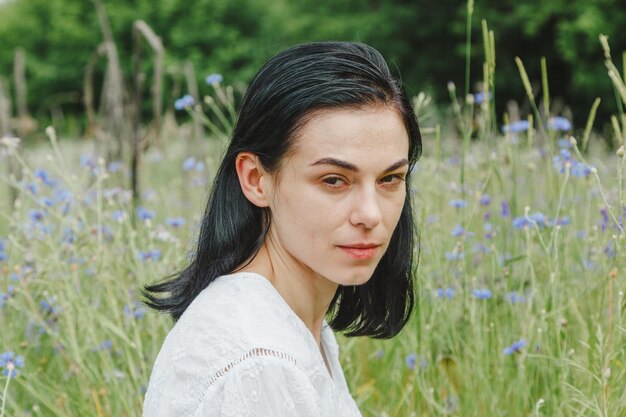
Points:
(234, 317)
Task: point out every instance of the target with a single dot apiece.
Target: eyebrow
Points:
(351, 167)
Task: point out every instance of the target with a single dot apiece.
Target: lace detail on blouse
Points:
(254, 352)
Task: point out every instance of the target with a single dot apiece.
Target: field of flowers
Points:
(521, 308)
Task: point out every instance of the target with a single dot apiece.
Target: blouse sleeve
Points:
(262, 386)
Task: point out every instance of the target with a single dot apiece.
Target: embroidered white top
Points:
(240, 350)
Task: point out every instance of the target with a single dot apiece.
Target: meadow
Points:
(520, 281)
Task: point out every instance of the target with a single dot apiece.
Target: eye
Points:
(334, 181)
(393, 179)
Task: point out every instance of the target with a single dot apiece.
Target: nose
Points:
(366, 210)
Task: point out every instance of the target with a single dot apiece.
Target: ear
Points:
(253, 179)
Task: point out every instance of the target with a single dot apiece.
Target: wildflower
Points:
(189, 163)
(604, 212)
(505, 210)
(609, 250)
(515, 347)
(144, 214)
(214, 79)
(118, 215)
(32, 187)
(379, 354)
(43, 175)
(514, 297)
(454, 256)
(10, 363)
(105, 345)
(184, 102)
(152, 255)
(135, 310)
(458, 203)
(88, 161)
(481, 247)
(479, 98)
(445, 292)
(175, 222)
(3, 255)
(516, 127)
(559, 123)
(3, 299)
(35, 215)
(48, 306)
(482, 293)
(485, 200)
(457, 231)
(410, 360)
(565, 159)
(115, 166)
(564, 143)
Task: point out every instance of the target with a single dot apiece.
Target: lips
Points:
(360, 250)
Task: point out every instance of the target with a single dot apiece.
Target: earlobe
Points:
(252, 178)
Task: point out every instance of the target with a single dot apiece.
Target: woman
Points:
(309, 217)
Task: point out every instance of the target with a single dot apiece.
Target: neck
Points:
(306, 292)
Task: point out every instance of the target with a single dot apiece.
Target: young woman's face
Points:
(339, 195)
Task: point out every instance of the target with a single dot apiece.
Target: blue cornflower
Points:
(516, 127)
(88, 161)
(458, 203)
(144, 214)
(49, 306)
(118, 215)
(410, 360)
(43, 175)
(32, 187)
(457, 231)
(175, 222)
(152, 255)
(481, 247)
(35, 215)
(479, 98)
(514, 297)
(379, 354)
(9, 362)
(445, 292)
(559, 123)
(135, 310)
(485, 200)
(214, 79)
(46, 201)
(184, 102)
(3, 255)
(454, 256)
(521, 222)
(482, 293)
(115, 166)
(564, 143)
(505, 210)
(105, 345)
(515, 347)
(189, 163)
(3, 299)
(577, 168)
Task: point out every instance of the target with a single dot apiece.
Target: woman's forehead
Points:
(373, 133)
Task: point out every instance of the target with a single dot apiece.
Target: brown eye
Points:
(392, 179)
(334, 181)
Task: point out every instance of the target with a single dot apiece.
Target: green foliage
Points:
(425, 40)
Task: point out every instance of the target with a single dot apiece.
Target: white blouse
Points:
(240, 350)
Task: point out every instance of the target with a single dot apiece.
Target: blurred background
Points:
(57, 42)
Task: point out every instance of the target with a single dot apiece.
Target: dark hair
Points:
(285, 91)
